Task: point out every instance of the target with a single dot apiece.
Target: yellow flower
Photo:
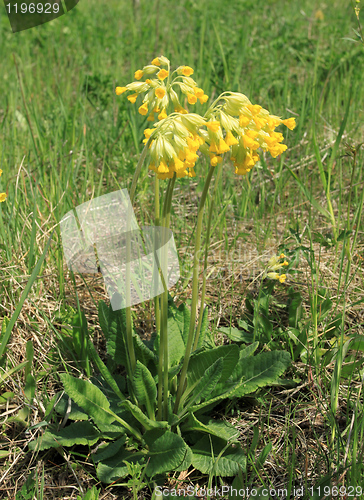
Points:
(319, 15)
(162, 115)
(150, 118)
(132, 98)
(2, 197)
(244, 121)
(273, 122)
(162, 74)
(223, 147)
(250, 143)
(277, 150)
(230, 139)
(163, 169)
(254, 108)
(282, 278)
(215, 160)
(143, 109)
(138, 74)
(290, 123)
(187, 71)
(148, 81)
(120, 90)
(192, 99)
(214, 126)
(160, 92)
(203, 99)
(156, 61)
(198, 92)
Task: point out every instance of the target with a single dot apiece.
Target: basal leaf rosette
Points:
(232, 124)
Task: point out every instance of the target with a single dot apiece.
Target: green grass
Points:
(65, 137)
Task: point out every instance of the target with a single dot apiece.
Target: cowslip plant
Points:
(158, 414)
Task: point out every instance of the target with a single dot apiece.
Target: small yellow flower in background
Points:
(2, 195)
(319, 15)
(273, 266)
(357, 9)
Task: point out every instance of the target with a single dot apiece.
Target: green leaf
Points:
(204, 327)
(104, 370)
(109, 450)
(203, 360)
(186, 321)
(203, 389)
(114, 468)
(142, 351)
(219, 428)
(104, 317)
(66, 405)
(248, 351)
(166, 451)
(92, 494)
(146, 422)
(89, 398)
(82, 433)
(261, 370)
(115, 344)
(236, 335)
(295, 310)
(236, 375)
(211, 455)
(145, 388)
(176, 345)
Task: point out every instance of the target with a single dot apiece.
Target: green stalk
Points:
(161, 351)
(205, 258)
(163, 339)
(156, 224)
(194, 289)
(129, 331)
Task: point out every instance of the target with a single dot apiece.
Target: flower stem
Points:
(163, 343)
(190, 338)
(218, 175)
(129, 329)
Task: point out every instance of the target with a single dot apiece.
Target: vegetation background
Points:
(65, 137)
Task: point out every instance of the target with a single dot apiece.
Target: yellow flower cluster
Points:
(174, 146)
(2, 195)
(248, 127)
(233, 124)
(272, 267)
(158, 93)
